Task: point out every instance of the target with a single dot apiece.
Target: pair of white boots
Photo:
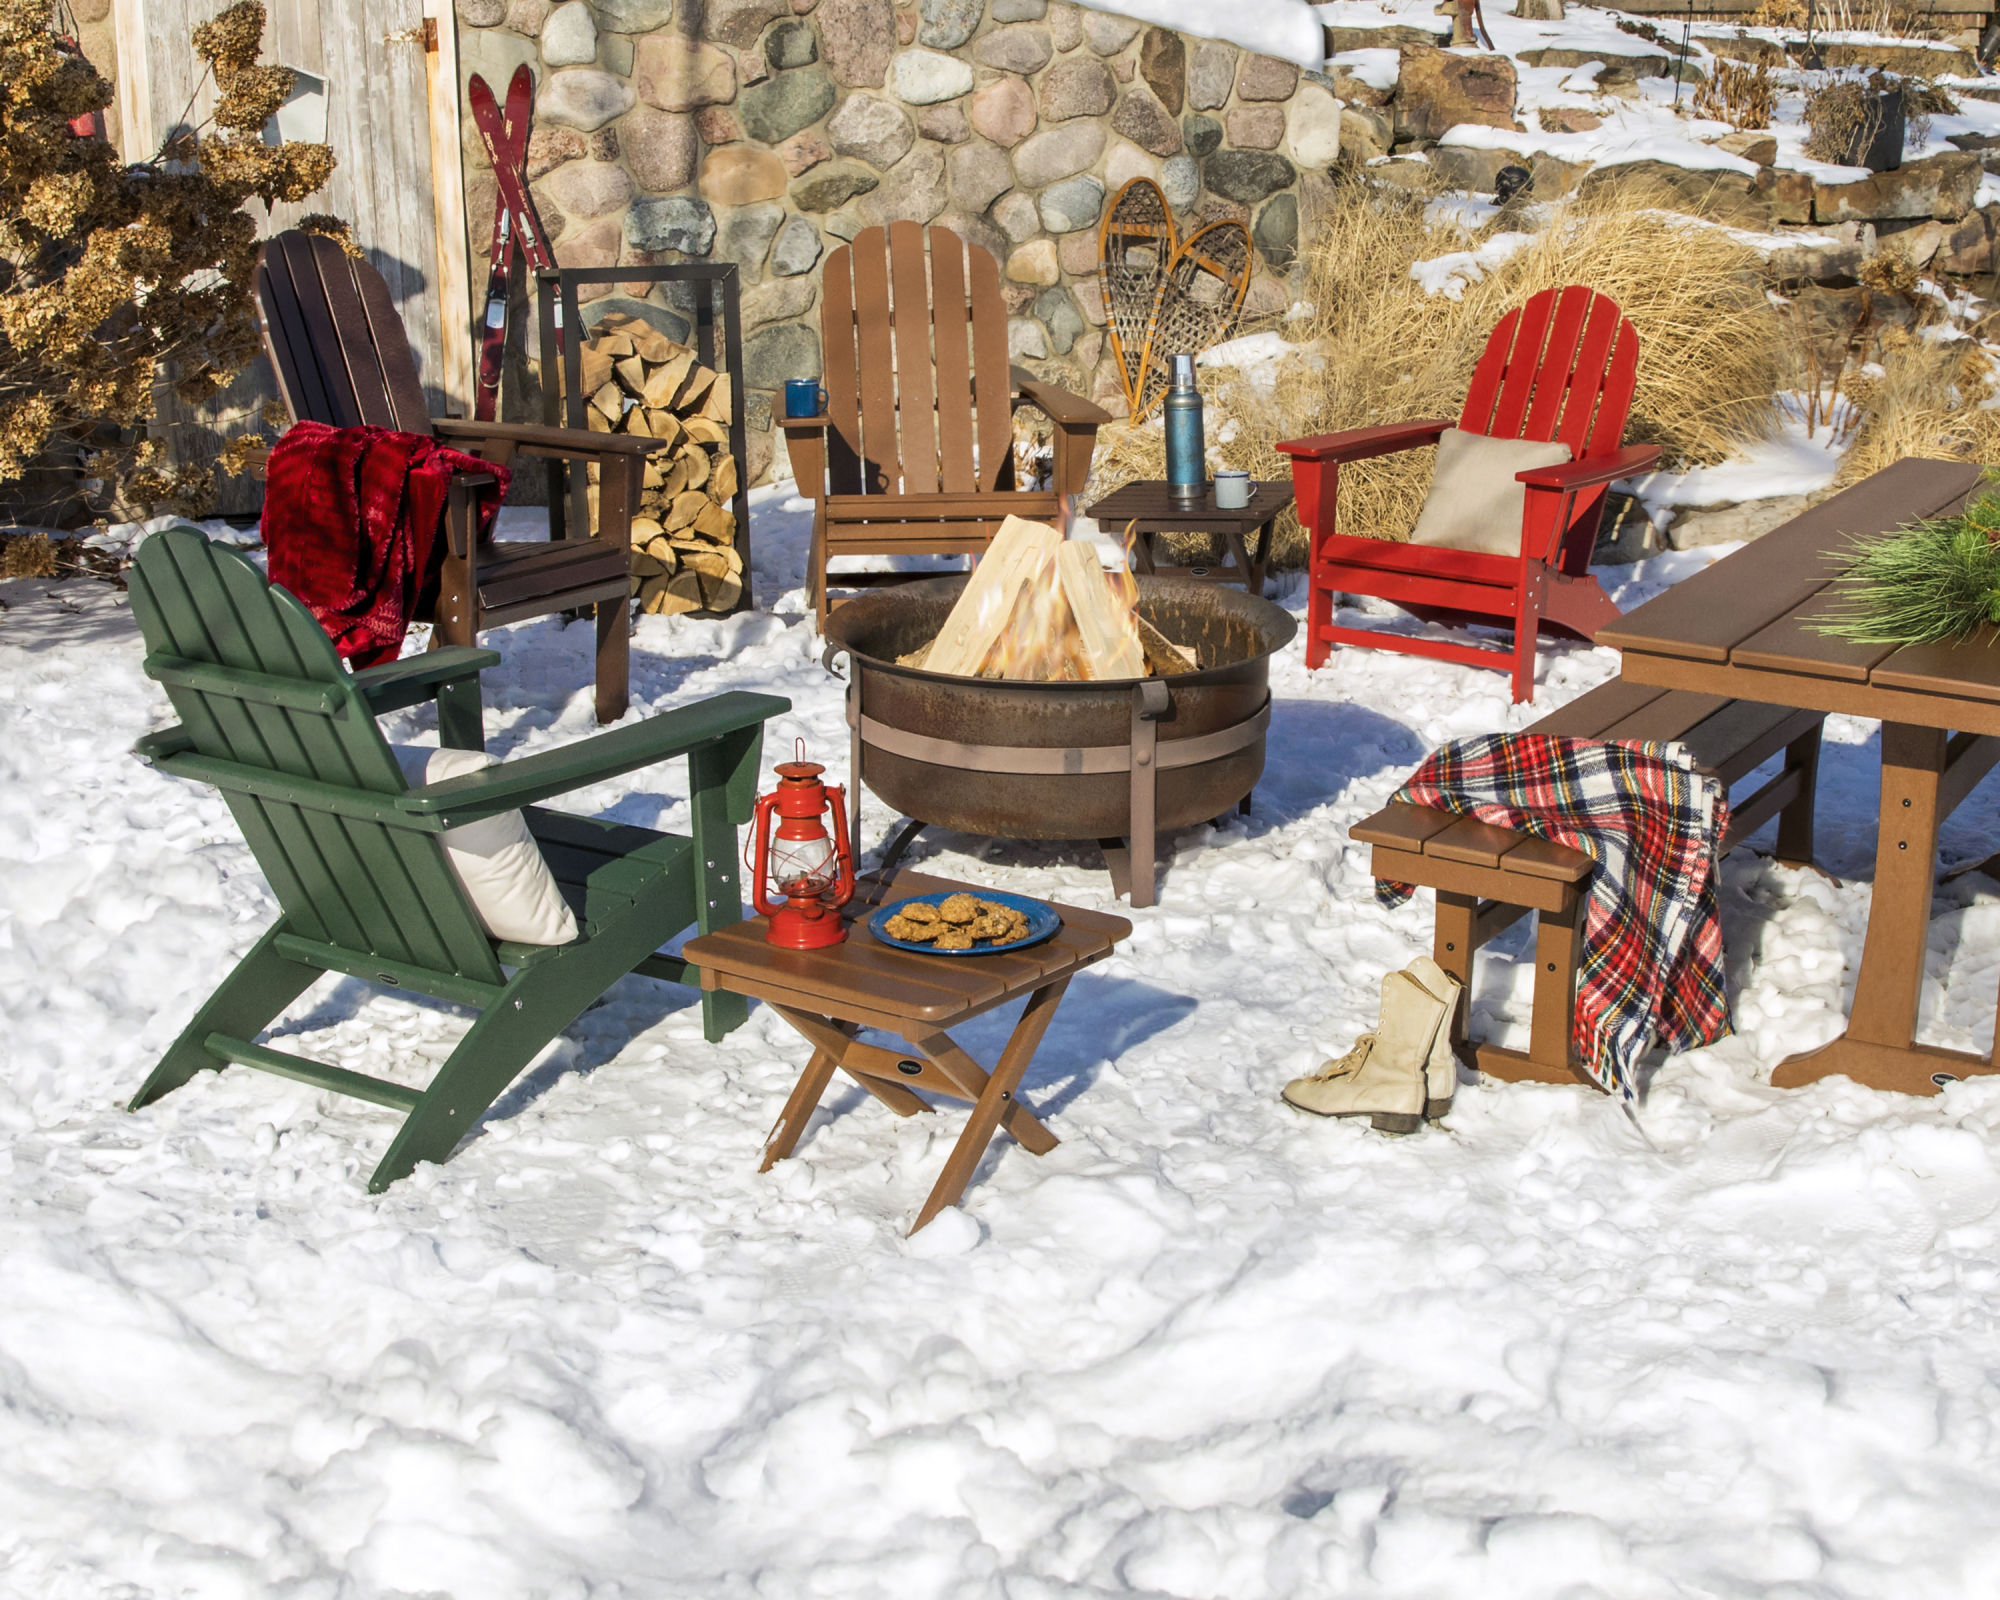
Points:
(1404, 1071)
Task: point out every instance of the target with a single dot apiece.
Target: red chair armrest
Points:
(1592, 470)
(1358, 444)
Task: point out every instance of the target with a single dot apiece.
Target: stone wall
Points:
(765, 132)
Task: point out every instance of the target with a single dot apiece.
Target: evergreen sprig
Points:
(1929, 583)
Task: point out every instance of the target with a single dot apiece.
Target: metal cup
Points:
(1232, 489)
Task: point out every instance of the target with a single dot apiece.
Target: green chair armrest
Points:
(163, 744)
(592, 760)
(415, 679)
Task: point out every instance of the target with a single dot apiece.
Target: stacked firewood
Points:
(638, 381)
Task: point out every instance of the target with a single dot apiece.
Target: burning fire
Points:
(1041, 641)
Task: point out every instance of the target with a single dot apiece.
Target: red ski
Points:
(516, 227)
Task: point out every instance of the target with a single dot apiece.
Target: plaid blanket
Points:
(1651, 961)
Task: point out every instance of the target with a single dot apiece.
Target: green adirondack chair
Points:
(272, 718)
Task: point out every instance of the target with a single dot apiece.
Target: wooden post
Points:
(454, 282)
(137, 137)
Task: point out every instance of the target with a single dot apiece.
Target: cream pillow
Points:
(1474, 503)
(496, 860)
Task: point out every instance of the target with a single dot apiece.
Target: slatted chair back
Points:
(1563, 366)
(256, 684)
(917, 381)
(335, 337)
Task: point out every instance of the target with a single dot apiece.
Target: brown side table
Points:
(1147, 506)
(830, 995)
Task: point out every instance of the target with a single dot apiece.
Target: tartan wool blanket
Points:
(1650, 966)
(351, 521)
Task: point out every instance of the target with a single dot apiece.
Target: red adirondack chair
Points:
(1561, 367)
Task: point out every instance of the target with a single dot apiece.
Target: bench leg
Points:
(1452, 947)
(1558, 945)
(1795, 822)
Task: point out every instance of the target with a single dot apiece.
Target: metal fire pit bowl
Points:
(1112, 761)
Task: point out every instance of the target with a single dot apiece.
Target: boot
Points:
(1441, 1065)
(1383, 1077)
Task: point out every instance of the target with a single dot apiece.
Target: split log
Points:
(1017, 553)
(1109, 642)
(1164, 658)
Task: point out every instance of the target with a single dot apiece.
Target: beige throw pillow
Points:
(1474, 503)
(512, 891)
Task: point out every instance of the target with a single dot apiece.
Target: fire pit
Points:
(1118, 762)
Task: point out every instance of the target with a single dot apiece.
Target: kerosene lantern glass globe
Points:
(813, 860)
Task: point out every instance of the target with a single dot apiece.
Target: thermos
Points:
(1187, 476)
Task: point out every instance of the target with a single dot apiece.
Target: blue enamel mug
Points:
(804, 397)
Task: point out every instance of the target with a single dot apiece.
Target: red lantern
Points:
(814, 872)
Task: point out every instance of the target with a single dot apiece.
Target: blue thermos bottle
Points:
(1187, 465)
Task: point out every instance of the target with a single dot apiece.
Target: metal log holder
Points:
(1132, 860)
(718, 343)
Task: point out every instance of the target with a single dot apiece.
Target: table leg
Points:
(995, 1099)
(784, 1136)
(1878, 1049)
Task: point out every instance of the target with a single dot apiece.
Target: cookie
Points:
(959, 909)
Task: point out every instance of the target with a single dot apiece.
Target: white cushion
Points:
(1474, 503)
(512, 891)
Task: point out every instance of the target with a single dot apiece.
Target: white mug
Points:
(1232, 489)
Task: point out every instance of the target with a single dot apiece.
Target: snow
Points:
(1283, 28)
(1449, 274)
(1206, 1347)
(1796, 459)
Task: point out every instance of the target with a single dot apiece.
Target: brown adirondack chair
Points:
(342, 358)
(914, 453)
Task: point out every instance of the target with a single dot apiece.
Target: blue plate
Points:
(1042, 921)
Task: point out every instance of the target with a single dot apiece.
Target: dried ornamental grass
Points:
(1742, 96)
(1923, 399)
(1378, 349)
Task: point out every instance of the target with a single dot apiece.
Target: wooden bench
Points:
(1488, 878)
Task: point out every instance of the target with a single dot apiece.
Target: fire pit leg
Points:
(1150, 701)
(899, 841)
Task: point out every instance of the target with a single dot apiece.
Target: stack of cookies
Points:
(959, 922)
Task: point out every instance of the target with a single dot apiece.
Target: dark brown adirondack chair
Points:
(342, 358)
(914, 454)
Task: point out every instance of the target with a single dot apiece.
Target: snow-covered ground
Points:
(1208, 1347)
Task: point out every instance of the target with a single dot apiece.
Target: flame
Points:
(1041, 642)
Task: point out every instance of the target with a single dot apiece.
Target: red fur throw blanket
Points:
(351, 518)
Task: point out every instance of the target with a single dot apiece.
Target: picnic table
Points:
(1742, 630)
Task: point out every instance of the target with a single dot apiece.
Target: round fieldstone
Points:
(481, 13)
(782, 350)
(944, 123)
(772, 112)
(1065, 25)
(1266, 78)
(1072, 204)
(740, 175)
(738, 22)
(1312, 127)
(1004, 111)
(976, 231)
(1163, 64)
(856, 40)
(569, 36)
(1276, 231)
(804, 151)
(588, 188)
(876, 130)
(1211, 72)
(1247, 176)
(1255, 127)
(1202, 135)
(914, 190)
(948, 24)
(1057, 152)
(1019, 47)
(1180, 181)
(1147, 123)
(549, 148)
(926, 77)
(676, 73)
(745, 234)
(832, 185)
(1126, 162)
(1079, 87)
(660, 149)
(1061, 317)
(980, 174)
(791, 44)
(582, 98)
(1034, 262)
(1018, 10)
(796, 249)
(1108, 33)
(1017, 217)
(675, 222)
(634, 16)
(1026, 338)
